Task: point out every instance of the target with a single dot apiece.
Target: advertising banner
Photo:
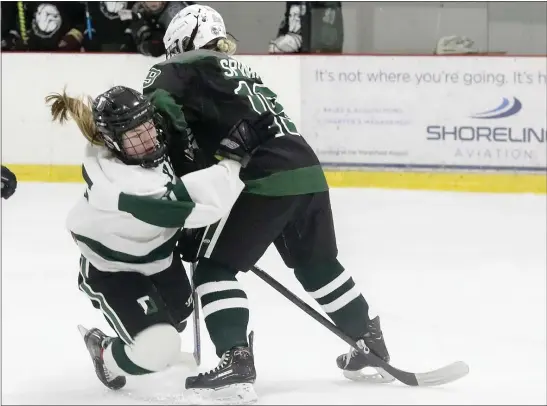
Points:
(426, 112)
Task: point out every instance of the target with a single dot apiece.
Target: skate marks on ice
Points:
(236, 394)
(161, 388)
(345, 392)
(167, 388)
(81, 387)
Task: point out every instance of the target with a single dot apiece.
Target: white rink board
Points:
(29, 136)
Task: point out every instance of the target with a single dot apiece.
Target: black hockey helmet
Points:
(117, 113)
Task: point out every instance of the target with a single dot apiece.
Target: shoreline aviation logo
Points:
(492, 131)
(505, 109)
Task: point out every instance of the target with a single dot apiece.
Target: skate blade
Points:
(236, 394)
(381, 376)
(83, 331)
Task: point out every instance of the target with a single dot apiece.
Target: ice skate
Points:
(96, 341)
(353, 363)
(231, 382)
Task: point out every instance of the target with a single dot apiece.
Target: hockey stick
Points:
(196, 318)
(446, 374)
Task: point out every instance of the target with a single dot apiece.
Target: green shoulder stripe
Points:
(161, 252)
(298, 181)
(159, 212)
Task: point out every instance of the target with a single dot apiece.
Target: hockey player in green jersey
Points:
(204, 91)
(127, 224)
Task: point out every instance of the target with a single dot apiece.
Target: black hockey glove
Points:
(189, 242)
(9, 183)
(245, 137)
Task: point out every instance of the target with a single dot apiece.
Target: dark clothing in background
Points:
(95, 26)
(148, 27)
(37, 26)
(109, 22)
(319, 23)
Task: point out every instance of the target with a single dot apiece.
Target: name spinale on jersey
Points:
(233, 68)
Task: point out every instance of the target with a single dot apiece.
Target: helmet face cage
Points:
(129, 127)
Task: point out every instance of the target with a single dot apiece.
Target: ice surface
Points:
(453, 276)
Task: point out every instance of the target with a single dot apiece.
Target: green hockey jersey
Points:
(209, 92)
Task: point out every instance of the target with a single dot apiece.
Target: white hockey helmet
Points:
(193, 27)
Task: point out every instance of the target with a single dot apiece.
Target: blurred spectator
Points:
(310, 27)
(150, 19)
(106, 25)
(37, 26)
(96, 26)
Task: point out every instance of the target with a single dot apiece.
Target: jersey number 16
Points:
(262, 99)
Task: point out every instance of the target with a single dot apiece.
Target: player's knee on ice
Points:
(155, 348)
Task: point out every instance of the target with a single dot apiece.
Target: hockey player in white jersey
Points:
(128, 221)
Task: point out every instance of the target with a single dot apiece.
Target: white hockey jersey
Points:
(130, 217)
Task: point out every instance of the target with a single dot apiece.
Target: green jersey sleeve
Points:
(164, 86)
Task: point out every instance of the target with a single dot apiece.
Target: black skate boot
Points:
(354, 362)
(96, 341)
(231, 382)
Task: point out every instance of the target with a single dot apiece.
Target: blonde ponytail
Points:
(79, 110)
(226, 46)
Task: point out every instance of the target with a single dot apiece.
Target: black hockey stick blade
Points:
(446, 374)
